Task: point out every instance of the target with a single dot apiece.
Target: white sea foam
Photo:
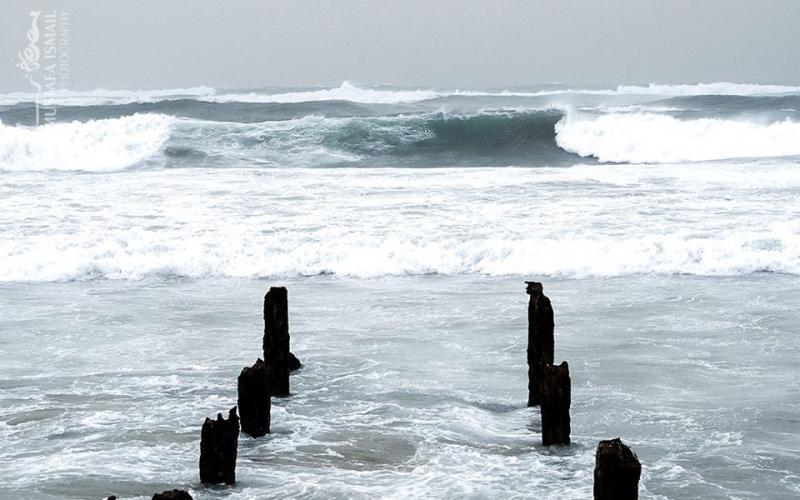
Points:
(136, 255)
(654, 138)
(586, 221)
(95, 145)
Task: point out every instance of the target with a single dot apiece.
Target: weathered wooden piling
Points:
(555, 393)
(616, 472)
(254, 400)
(173, 495)
(219, 441)
(276, 341)
(540, 338)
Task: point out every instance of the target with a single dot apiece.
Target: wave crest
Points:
(656, 138)
(95, 145)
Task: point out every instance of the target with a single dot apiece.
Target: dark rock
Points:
(294, 363)
(540, 338)
(112, 497)
(616, 472)
(276, 341)
(555, 402)
(219, 441)
(173, 495)
(254, 400)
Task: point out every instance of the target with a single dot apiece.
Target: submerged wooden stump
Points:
(556, 389)
(276, 341)
(219, 441)
(294, 363)
(254, 400)
(540, 338)
(173, 495)
(616, 472)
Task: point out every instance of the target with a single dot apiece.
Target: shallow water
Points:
(412, 386)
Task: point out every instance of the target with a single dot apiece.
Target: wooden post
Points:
(172, 495)
(555, 402)
(219, 441)
(540, 338)
(616, 472)
(276, 341)
(254, 400)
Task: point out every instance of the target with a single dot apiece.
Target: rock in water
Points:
(294, 363)
(540, 338)
(219, 441)
(616, 472)
(555, 401)
(173, 495)
(276, 341)
(254, 400)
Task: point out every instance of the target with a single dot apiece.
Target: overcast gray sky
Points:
(467, 43)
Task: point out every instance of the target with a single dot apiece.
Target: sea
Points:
(140, 230)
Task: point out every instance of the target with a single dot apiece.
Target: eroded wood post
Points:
(254, 400)
(276, 341)
(616, 472)
(540, 338)
(219, 441)
(555, 402)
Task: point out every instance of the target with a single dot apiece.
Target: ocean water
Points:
(140, 230)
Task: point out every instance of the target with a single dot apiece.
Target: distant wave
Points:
(95, 145)
(656, 138)
(348, 91)
(716, 88)
(345, 92)
(100, 97)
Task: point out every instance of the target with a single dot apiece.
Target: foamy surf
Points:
(133, 255)
(363, 223)
(92, 146)
(657, 138)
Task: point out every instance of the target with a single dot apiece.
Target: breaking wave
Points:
(95, 145)
(533, 137)
(657, 138)
(429, 139)
(143, 255)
